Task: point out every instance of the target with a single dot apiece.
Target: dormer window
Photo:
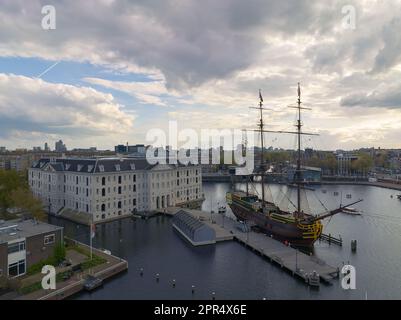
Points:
(67, 166)
(132, 166)
(101, 168)
(118, 168)
(79, 167)
(90, 167)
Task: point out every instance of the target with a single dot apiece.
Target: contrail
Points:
(48, 69)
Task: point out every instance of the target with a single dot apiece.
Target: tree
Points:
(23, 198)
(363, 164)
(10, 180)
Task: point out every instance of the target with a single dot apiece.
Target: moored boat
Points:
(298, 228)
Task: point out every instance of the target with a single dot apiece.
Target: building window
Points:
(134, 202)
(119, 179)
(134, 187)
(119, 190)
(103, 207)
(103, 192)
(103, 181)
(49, 239)
(16, 269)
(134, 177)
(119, 205)
(16, 247)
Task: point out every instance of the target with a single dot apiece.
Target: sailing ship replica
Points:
(297, 228)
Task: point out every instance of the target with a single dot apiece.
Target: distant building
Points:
(3, 149)
(60, 146)
(137, 150)
(309, 174)
(120, 148)
(15, 162)
(47, 147)
(107, 188)
(344, 163)
(36, 149)
(25, 243)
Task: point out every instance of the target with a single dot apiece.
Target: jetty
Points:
(80, 280)
(294, 261)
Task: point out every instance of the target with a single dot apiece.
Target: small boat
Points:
(222, 210)
(399, 197)
(351, 211)
(91, 283)
(108, 252)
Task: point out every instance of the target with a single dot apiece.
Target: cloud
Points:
(33, 105)
(207, 60)
(189, 43)
(383, 97)
(148, 92)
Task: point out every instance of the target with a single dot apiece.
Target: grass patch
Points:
(96, 260)
(31, 288)
(36, 268)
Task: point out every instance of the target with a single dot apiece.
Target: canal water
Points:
(234, 272)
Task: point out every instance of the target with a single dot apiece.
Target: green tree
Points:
(10, 180)
(23, 198)
(363, 164)
(59, 252)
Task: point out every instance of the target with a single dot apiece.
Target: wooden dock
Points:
(297, 263)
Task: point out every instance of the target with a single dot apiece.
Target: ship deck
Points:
(297, 263)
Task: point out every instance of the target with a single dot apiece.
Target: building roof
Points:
(16, 229)
(190, 221)
(96, 165)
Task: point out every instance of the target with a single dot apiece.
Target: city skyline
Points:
(92, 82)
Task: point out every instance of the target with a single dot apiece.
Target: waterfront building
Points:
(25, 243)
(195, 231)
(108, 188)
(309, 174)
(344, 163)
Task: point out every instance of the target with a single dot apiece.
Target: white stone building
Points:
(106, 188)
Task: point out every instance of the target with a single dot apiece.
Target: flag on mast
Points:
(260, 96)
(93, 230)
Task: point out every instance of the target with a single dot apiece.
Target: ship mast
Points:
(262, 161)
(298, 173)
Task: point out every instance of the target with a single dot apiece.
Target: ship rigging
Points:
(298, 228)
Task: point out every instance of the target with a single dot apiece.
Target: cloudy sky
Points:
(114, 69)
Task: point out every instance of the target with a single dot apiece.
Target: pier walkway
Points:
(297, 263)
